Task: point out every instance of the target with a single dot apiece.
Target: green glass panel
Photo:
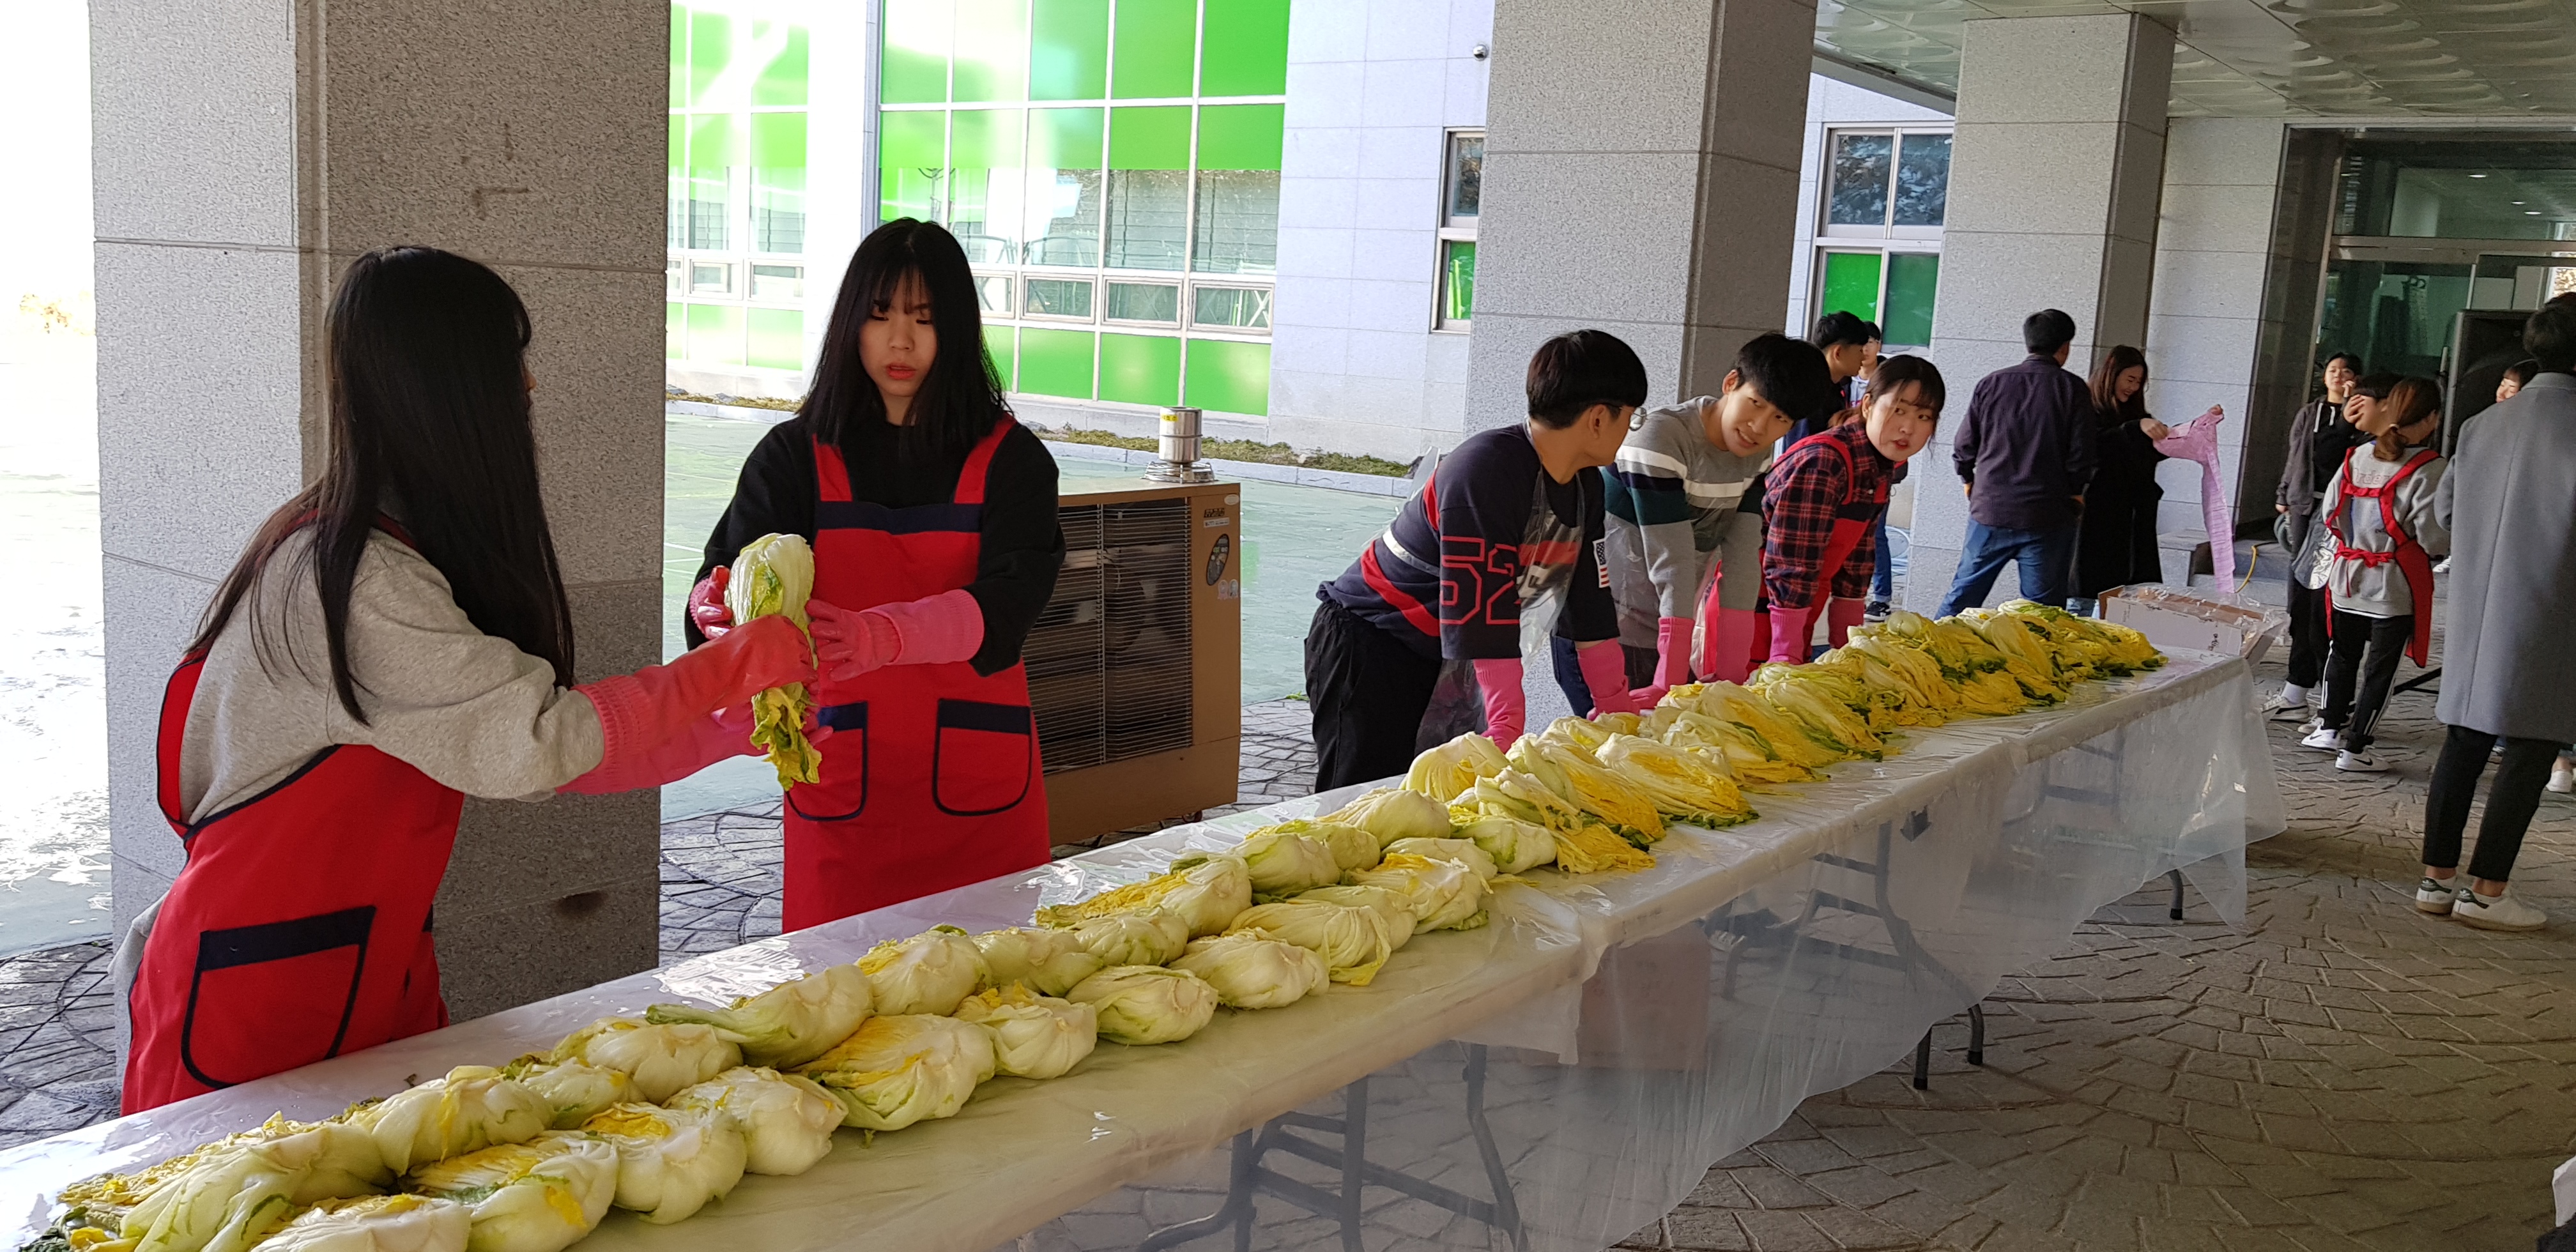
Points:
(1140, 369)
(1055, 362)
(1241, 136)
(679, 57)
(1851, 284)
(915, 68)
(912, 162)
(1150, 139)
(782, 81)
(1156, 46)
(715, 142)
(1002, 346)
(778, 141)
(710, 50)
(992, 50)
(1229, 377)
(1244, 50)
(1912, 279)
(1457, 280)
(984, 183)
(715, 334)
(674, 329)
(1069, 50)
(1065, 139)
(777, 338)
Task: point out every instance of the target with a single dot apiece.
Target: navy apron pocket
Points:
(273, 996)
(983, 757)
(840, 789)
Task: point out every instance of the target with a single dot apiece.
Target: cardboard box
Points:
(2182, 619)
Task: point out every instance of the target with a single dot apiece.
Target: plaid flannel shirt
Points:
(1808, 486)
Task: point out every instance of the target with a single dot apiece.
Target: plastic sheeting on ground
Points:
(1556, 1079)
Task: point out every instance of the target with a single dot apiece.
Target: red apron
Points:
(2412, 561)
(931, 777)
(1851, 523)
(299, 928)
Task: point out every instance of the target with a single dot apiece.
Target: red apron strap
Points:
(970, 479)
(176, 699)
(831, 474)
(2413, 561)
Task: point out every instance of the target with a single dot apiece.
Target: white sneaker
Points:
(2437, 895)
(2277, 709)
(2562, 779)
(2442, 566)
(2362, 762)
(2309, 727)
(2501, 912)
(2323, 739)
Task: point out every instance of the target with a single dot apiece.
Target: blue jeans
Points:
(1882, 580)
(2046, 557)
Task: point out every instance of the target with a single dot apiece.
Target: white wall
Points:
(1373, 89)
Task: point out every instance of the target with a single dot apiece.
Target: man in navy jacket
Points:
(2025, 452)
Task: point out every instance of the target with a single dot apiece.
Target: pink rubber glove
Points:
(639, 711)
(932, 630)
(1605, 675)
(1841, 614)
(707, 605)
(1730, 644)
(1672, 661)
(1506, 709)
(1790, 631)
(700, 744)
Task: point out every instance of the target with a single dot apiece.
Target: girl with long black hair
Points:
(2115, 544)
(933, 519)
(394, 639)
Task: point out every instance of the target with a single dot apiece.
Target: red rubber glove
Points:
(700, 744)
(1672, 662)
(1841, 614)
(707, 605)
(639, 711)
(932, 630)
(1605, 675)
(1506, 708)
(1790, 632)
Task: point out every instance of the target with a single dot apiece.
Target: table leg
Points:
(2176, 911)
(1354, 1160)
(1507, 1209)
(1237, 1209)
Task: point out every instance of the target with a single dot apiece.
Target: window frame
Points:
(1453, 228)
(1886, 230)
(1883, 250)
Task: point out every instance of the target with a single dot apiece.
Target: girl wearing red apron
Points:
(933, 519)
(1817, 556)
(394, 639)
(2374, 563)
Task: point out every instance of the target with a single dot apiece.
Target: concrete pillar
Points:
(246, 151)
(1641, 176)
(2054, 182)
(2209, 322)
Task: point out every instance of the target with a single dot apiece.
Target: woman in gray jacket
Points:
(2506, 666)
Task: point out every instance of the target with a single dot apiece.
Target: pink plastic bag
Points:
(2199, 442)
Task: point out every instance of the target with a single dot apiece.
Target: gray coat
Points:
(2510, 504)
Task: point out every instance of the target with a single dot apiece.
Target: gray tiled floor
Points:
(2342, 1074)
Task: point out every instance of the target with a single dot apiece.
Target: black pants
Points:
(2307, 634)
(2368, 647)
(1368, 691)
(2510, 802)
(1569, 672)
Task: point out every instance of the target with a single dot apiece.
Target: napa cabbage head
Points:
(904, 1069)
(661, 1059)
(1514, 844)
(1045, 961)
(928, 973)
(1146, 937)
(671, 1161)
(1206, 890)
(1034, 1036)
(1147, 1004)
(774, 575)
(540, 1196)
(1285, 863)
(1448, 770)
(1464, 851)
(789, 1024)
(1392, 911)
(1353, 940)
(384, 1223)
(1392, 813)
(787, 1121)
(1444, 895)
(572, 1089)
(1252, 969)
(471, 1107)
(1352, 847)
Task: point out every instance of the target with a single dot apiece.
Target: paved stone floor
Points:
(2343, 1073)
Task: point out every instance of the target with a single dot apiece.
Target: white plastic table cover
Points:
(1634, 1028)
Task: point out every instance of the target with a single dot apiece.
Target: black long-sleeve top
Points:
(1023, 544)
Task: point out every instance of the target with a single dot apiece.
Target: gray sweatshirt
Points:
(465, 708)
(1672, 504)
(2379, 590)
